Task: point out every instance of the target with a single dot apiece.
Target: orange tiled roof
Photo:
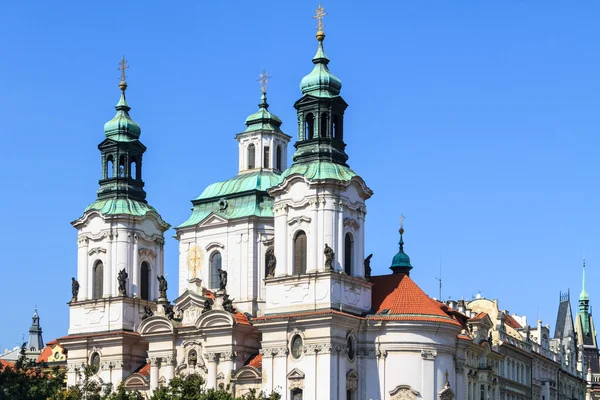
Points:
(6, 364)
(510, 321)
(255, 361)
(143, 370)
(464, 337)
(47, 352)
(241, 318)
(404, 301)
(479, 316)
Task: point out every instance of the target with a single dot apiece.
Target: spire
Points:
(401, 261)
(35, 342)
(584, 295)
(122, 127)
(263, 119)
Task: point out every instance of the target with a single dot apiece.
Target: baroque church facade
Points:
(274, 290)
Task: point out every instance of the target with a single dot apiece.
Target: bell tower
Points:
(120, 254)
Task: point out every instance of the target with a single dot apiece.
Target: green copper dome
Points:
(263, 119)
(321, 82)
(122, 127)
(401, 261)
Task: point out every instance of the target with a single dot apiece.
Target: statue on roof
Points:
(74, 289)
(207, 305)
(228, 304)
(222, 279)
(368, 267)
(271, 262)
(329, 256)
(147, 313)
(162, 287)
(122, 279)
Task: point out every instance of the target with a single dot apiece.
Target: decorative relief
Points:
(428, 354)
(228, 356)
(381, 353)
(106, 365)
(150, 254)
(153, 361)
(366, 353)
(352, 295)
(352, 381)
(297, 220)
(191, 314)
(170, 360)
(351, 223)
(96, 250)
(404, 392)
(211, 357)
(295, 379)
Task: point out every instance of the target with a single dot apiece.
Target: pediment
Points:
(156, 325)
(247, 373)
(189, 299)
(404, 392)
(214, 319)
(212, 219)
(295, 374)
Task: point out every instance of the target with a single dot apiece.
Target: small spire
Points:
(584, 295)
(401, 261)
(320, 13)
(264, 80)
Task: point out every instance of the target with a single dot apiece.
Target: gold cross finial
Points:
(319, 17)
(402, 221)
(264, 79)
(123, 66)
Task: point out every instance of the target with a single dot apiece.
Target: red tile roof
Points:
(5, 363)
(47, 352)
(403, 300)
(510, 321)
(479, 316)
(143, 370)
(464, 337)
(255, 361)
(241, 318)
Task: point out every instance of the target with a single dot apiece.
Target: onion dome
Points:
(321, 82)
(122, 127)
(401, 261)
(263, 119)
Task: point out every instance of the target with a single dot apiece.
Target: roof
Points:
(143, 370)
(105, 334)
(397, 297)
(320, 170)
(564, 320)
(479, 316)
(48, 352)
(235, 198)
(5, 363)
(241, 318)
(255, 361)
(510, 321)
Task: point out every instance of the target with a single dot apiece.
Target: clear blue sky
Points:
(476, 120)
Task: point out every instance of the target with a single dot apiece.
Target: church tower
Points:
(35, 344)
(319, 206)
(120, 255)
(231, 226)
(586, 332)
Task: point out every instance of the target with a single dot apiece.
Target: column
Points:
(313, 247)
(227, 359)
(71, 375)
(169, 368)
(82, 268)
(381, 356)
(340, 233)
(107, 284)
(428, 367)
(135, 281)
(153, 361)
(268, 370)
(211, 361)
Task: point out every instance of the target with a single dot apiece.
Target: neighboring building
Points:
(34, 345)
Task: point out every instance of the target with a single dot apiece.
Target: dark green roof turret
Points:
(122, 127)
(321, 82)
(401, 261)
(263, 119)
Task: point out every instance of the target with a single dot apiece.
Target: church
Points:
(275, 291)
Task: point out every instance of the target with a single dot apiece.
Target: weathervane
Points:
(319, 17)
(122, 67)
(264, 80)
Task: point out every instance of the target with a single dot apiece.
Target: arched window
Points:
(323, 126)
(296, 394)
(110, 166)
(278, 158)
(266, 156)
(133, 169)
(122, 167)
(309, 127)
(300, 253)
(348, 249)
(251, 156)
(215, 266)
(98, 280)
(337, 128)
(145, 281)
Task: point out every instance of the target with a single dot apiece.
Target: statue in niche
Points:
(368, 267)
(162, 287)
(228, 304)
(222, 279)
(207, 305)
(122, 279)
(329, 256)
(147, 313)
(271, 262)
(74, 289)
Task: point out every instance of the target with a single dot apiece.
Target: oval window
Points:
(351, 348)
(297, 346)
(95, 362)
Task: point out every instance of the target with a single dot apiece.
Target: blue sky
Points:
(476, 120)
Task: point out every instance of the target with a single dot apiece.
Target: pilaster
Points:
(428, 367)
(211, 361)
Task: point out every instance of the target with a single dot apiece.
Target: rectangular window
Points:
(267, 156)
(482, 389)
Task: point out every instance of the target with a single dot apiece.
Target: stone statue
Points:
(222, 279)
(207, 305)
(329, 255)
(122, 279)
(368, 267)
(147, 313)
(74, 289)
(169, 312)
(162, 287)
(228, 304)
(271, 262)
